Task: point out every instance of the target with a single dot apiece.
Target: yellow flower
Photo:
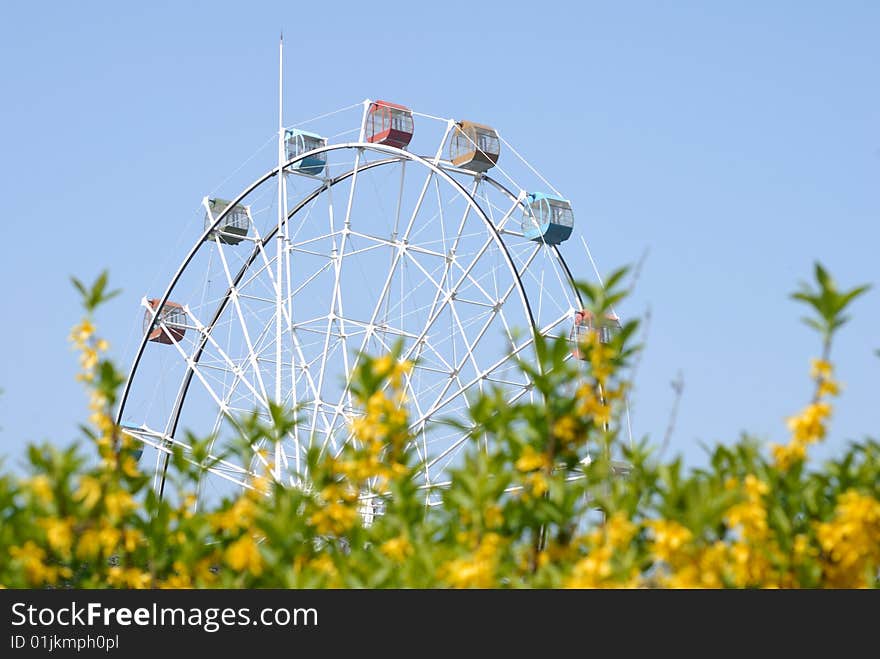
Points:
(59, 533)
(850, 541)
(88, 359)
(751, 517)
(238, 516)
(475, 570)
(600, 355)
(802, 548)
(592, 406)
(819, 368)
(713, 564)
(530, 460)
(130, 467)
(109, 538)
(386, 367)
(131, 538)
(828, 388)
(619, 530)
(383, 365)
(41, 486)
(565, 429)
(809, 427)
(493, 516)
(750, 566)
(89, 491)
(97, 401)
(592, 570)
(754, 487)
(82, 332)
(538, 483)
(118, 503)
(324, 564)
(397, 549)
(177, 581)
(339, 491)
(784, 457)
(88, 545)
(670, 539)
(334, 518)
(205, 570)
(30, 556)
(130, 577)
(243, 554)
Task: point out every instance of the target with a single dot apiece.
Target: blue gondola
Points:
(299, 142)
(547, 219)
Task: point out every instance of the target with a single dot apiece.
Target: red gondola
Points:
(584, 323)
(389, 123)
(169, 325)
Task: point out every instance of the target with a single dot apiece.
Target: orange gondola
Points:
(474, 146)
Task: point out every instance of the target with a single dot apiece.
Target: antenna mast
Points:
(279, 242)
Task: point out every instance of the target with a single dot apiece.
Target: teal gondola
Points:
(299, 142)
(547, 218)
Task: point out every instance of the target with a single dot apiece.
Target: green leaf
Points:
(828, 303)
(95, 295)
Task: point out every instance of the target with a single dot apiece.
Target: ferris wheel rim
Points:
(397, 156)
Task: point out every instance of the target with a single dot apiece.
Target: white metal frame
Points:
(228, 378)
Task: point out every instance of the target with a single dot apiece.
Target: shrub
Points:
(559, 501)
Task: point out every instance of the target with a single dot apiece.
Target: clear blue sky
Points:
(735, 142)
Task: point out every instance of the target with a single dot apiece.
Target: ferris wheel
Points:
(401, 227)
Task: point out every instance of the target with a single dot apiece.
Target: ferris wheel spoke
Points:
(442, 216)
(465, 271)
(446, 299)
(335, 314)
(413, 396)
(425, 185)
(469, 349)
(294, 339)
(208, 388)
(378, 331)
(413, 293)
(337, 254)
(458, 366)
(539, 280)
(449, 255)
(450, 258)
(370, 329)
(260, 271)
(311, 278)
(515, 351)
(233, 292)
(225, 470)
(474, 281)
(396, 228)
(238, 370)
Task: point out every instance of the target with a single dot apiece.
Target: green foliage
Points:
(95, 295)
(547, 495)
(827, 302)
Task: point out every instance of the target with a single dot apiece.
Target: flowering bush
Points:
(557, 502)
